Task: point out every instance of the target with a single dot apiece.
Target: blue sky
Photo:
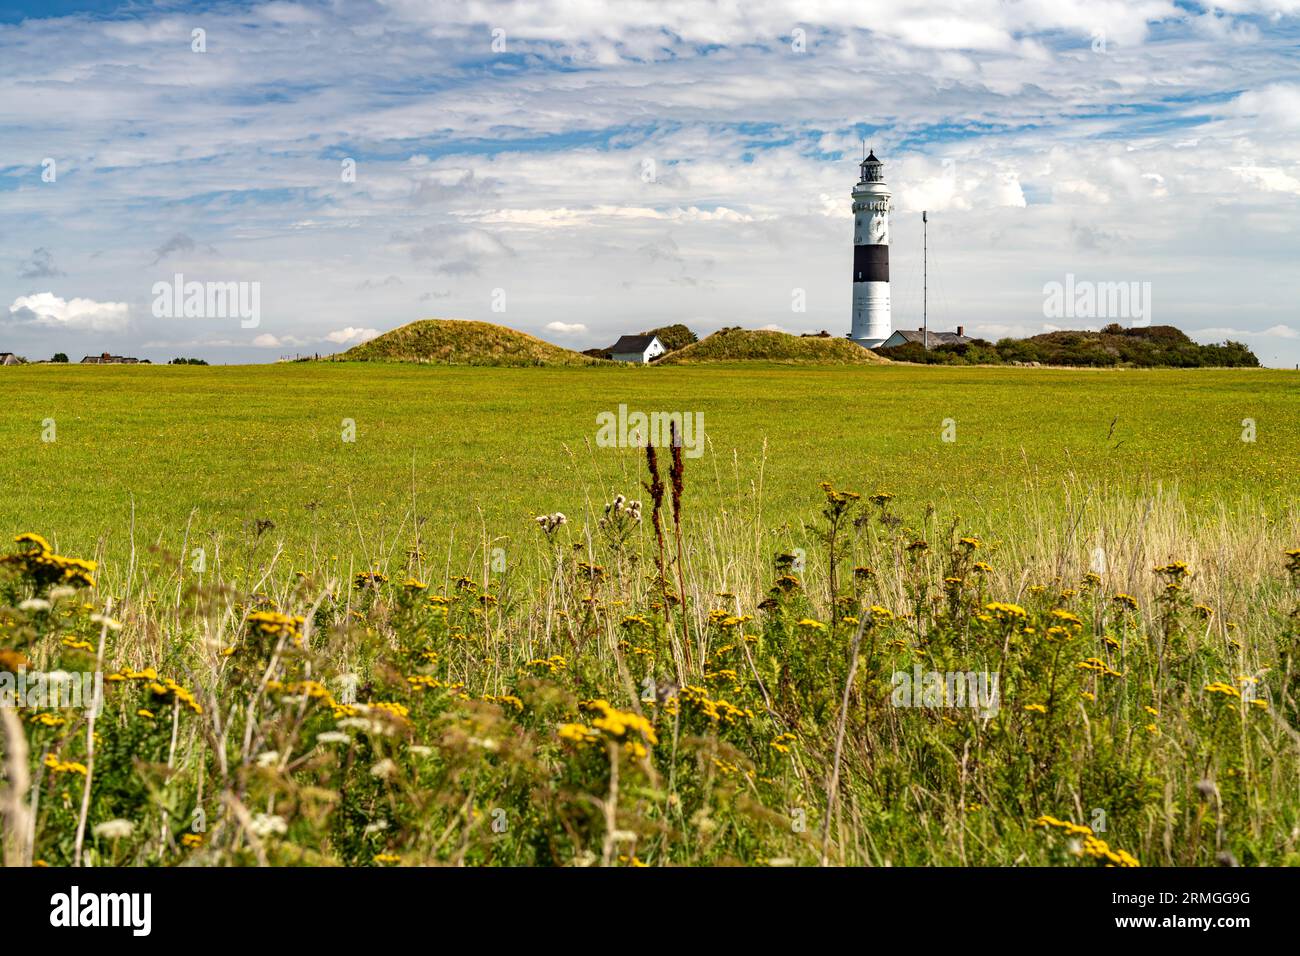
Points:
(580, 170)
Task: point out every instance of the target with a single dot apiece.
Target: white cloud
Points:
(1221, 332)
(351, 334)
(566, 328)
(1268, 178)
(48, 310)
(267, 341)
(1276, 104)
(566, 218)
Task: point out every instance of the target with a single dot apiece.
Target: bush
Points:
(674, 337)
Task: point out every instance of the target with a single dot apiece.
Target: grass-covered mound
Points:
(1156, 346)
(756, 345)
(461, 342)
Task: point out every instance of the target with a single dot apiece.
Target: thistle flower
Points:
(552, 522)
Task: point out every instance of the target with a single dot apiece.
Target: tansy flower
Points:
(55, 765)
(1175, 570)
(1098, 665)
(1007, 613)
(577, 733)
(618, 723)
(782, 742)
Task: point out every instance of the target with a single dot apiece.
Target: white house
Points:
(637, 348)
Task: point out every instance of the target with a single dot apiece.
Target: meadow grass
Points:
(216, 449)
(369, 651)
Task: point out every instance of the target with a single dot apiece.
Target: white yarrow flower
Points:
(267, 824)
(114, 829)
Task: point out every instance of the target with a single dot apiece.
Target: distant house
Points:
(903, 336)
(637, 348)
(8, 358)
(104, 358)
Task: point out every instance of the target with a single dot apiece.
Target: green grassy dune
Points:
(781, 348)
(463, 342)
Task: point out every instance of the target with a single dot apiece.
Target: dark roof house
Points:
(903, 336)
(636, 348)
(106, 358)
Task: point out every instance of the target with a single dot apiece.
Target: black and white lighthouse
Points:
(871, 319)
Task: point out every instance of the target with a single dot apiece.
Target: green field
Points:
(323, 650)
(219, 448)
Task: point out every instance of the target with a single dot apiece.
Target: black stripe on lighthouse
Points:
(871, 263)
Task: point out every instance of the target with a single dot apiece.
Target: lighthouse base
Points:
(868, 343)
(871, 314)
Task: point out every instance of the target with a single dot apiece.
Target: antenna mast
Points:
(925, 278)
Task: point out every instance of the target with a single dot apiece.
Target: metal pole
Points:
(925, 278)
